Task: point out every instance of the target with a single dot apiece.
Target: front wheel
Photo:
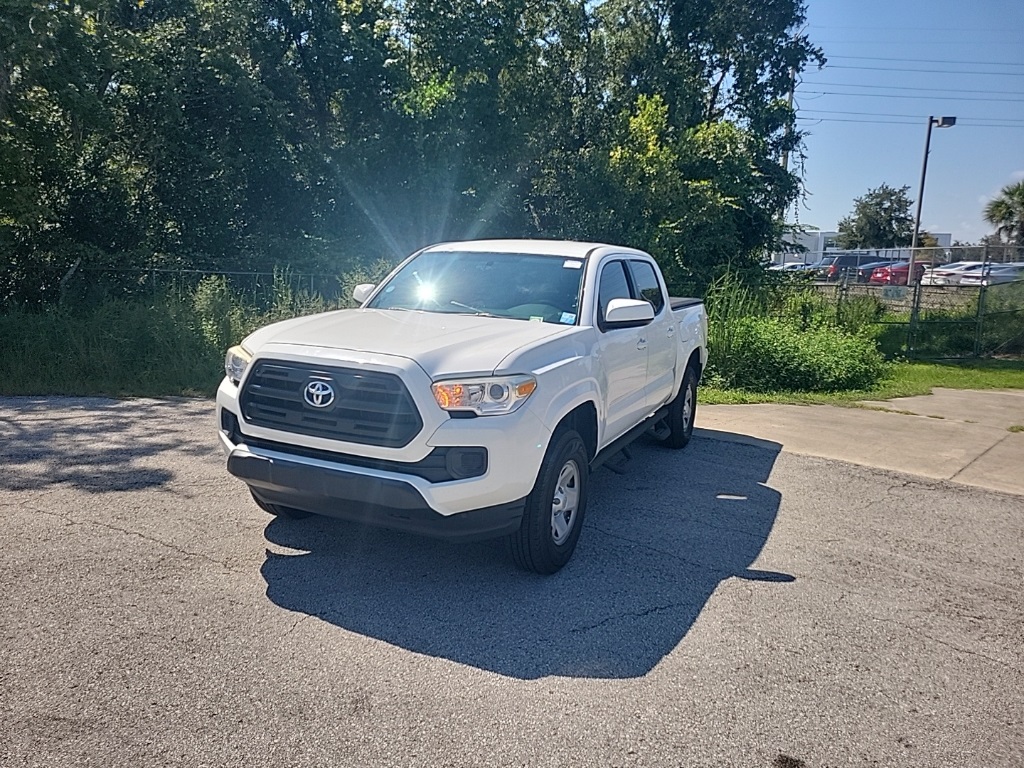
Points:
(553, 517)
(682, 411)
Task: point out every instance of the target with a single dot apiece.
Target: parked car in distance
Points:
(950, 274)
(995, 275)
(840, 265)
(864, 271)
(896, 273)
(792, 266)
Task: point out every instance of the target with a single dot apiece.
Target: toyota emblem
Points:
(318, 394)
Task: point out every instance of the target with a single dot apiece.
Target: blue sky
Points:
(873, 109)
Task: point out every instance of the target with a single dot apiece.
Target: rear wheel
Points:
(277, 510)
(682, 411)
(553, 517)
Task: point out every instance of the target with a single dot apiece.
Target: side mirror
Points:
(362, 292)
(628, 313)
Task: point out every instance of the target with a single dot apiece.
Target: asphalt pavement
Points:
(739, 603)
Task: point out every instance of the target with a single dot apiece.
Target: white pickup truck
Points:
(471, 394)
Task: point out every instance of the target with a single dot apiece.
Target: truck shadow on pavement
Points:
(657, 542)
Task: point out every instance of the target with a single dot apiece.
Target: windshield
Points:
(520, 286)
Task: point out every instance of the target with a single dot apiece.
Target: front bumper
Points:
(374, 499)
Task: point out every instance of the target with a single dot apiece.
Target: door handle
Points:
(642, 344)
(671, 330)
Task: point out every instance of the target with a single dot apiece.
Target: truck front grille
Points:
(367, 407)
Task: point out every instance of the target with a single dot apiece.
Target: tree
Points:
(317, 133)
(1006, 213)
(880, 219)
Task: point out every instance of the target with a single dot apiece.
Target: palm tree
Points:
(1006, 213)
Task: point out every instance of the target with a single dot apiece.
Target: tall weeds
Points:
(770, 338)
(172, 343)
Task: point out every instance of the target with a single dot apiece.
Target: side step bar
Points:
(624, 440)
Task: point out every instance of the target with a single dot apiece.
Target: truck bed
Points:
(678, 302)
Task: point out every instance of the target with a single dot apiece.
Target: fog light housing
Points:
(463, 463)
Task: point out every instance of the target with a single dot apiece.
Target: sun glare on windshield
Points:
(516, 286)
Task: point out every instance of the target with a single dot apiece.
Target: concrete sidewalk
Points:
(958, 435)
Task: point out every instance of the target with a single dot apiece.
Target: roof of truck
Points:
(563, 248)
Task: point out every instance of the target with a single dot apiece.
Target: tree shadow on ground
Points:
(657, 542)
(92, 444)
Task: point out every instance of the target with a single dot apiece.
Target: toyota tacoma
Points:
(470, 395)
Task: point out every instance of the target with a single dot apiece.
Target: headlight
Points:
(484, 397)
(236, 362)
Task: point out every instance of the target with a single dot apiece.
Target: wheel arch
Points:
(695, 363)
(582, 419)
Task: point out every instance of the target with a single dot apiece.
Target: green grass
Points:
(901, 380)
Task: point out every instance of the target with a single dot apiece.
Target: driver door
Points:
(622, 354)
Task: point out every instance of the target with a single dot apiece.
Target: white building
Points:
(813, 245)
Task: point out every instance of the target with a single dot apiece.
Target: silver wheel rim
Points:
(565, 502)
(687, 407)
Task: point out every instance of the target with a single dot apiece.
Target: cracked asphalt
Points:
(732, 604)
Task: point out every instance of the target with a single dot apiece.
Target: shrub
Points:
(769, 354)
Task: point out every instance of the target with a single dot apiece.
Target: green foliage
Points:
(1003, 331)
(777, 338)
(880, 219)
(116, 348)
(1006, 213)
(902, 379)
(168, 346)
(770, 354)
(372, 273)
(320, 136)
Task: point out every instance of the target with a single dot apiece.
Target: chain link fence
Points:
(920, 320)
(42, 286)
(962, 302)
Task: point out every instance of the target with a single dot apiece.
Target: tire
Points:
(277, 510)
(682, 411)
(547, 536)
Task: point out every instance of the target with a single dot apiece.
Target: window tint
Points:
(613, 285)
(647, 286)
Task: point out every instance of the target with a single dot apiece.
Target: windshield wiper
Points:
(474, 310)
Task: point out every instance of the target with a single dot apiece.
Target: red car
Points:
(896, 274)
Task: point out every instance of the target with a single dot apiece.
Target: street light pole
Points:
(938, 122)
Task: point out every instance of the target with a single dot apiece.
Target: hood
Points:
(442, 344)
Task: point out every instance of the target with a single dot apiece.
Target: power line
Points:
(907, 29)
(901, 122)
(931, 71)
(935, 61)
(1012, 123)
(922, 117)
(910, 96)
(905, 43)
(909, 88)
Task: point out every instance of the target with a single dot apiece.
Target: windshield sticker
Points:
(571, 264)
(536, 319)
(567, 318)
